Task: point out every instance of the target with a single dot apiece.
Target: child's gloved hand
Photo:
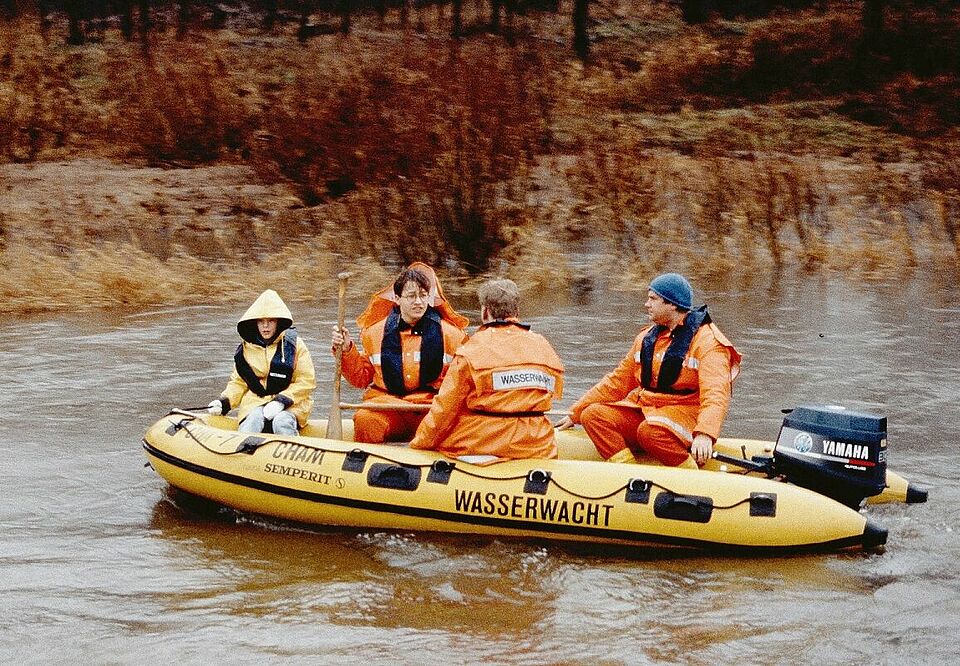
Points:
(215, 407)
(271, 409)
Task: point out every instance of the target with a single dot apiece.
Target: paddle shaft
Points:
(415, 407)
(334, 424)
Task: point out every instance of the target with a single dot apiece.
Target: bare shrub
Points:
(182, 105)
(941, 178)
(806, 55)
(440, 135)
(653, 207)
(679, 67)
(38, 100)
(620, 190)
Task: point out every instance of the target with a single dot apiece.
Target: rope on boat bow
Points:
(536, 479)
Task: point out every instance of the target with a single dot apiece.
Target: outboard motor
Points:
(834, 451)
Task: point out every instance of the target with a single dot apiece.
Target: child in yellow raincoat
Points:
(273, 378)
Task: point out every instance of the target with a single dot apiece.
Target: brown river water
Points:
(97, 565)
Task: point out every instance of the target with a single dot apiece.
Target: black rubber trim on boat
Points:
(916, 494)
(763, 504)
(395, 477)
(874, 535)
(523, 527)
(692, 508)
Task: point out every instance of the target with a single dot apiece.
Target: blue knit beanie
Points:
(673, 288)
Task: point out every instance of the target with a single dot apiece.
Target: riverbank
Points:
(208, 167)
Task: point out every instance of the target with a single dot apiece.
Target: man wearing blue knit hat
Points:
(669, 396)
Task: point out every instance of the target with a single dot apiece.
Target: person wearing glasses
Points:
(408, 336)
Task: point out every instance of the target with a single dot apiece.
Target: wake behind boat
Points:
(313, 480)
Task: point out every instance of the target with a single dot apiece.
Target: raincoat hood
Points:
(382, 302)
(268, 305)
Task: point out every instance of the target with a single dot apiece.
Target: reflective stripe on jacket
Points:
(493, 398)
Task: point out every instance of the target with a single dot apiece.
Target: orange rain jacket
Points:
(709, 368)
(298, 396)
(364, 370)
(493, 398)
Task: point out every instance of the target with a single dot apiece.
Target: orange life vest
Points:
(366, 370)
(699, 398)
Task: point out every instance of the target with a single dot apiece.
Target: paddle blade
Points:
(334, 425)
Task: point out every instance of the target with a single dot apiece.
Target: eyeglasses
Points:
(413, 296)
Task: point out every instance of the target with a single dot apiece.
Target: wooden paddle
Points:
(334, 424)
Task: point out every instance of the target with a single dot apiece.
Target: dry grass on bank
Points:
(765, 213)
(122, 276)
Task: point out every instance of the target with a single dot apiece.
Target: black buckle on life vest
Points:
(440, 471)
(638, 491)
(537, 482)
(355, 461)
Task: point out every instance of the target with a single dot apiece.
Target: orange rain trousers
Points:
(614, 428)
(376, 426)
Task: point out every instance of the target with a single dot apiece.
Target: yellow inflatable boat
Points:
(732, 455)
(309, 479)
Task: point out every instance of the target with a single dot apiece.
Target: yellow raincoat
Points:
(258, 353)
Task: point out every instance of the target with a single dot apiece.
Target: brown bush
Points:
(432, 138)
(905, 80)
(182, 104)
(941, 175)
(39, 104)
(657, 209)
(807, 55)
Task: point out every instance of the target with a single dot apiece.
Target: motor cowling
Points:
(834, 451)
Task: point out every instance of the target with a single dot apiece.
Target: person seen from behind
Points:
(493, 399)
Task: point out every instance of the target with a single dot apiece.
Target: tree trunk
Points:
(75, 35)
(43, 9)
(873, 21)
(457, 19)
(270, 14)
(382, 12)
(126, 19)
(695, 11)
(143, 12)
(183, 18)
(581, 39)
(345, 17)
(306, 8)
